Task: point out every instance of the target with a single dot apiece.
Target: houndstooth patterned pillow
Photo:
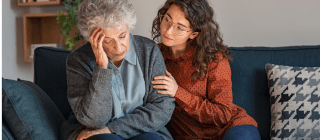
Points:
(294, 98)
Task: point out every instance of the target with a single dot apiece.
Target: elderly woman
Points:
(109, 78)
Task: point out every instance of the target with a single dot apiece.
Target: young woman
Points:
(198, 74)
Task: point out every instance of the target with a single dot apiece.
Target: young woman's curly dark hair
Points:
(207, 43)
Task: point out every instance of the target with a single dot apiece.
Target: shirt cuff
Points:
(101, 74)
(182, 96)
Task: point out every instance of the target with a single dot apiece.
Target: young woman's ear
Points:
(194, 35)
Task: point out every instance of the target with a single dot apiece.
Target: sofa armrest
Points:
(50, 75)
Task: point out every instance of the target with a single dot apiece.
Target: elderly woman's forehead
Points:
(115, 32)
(122, 27)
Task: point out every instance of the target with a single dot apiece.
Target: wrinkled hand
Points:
(168, 83)
(88, 132)
(96, 39)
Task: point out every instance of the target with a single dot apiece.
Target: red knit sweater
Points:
(204, 108)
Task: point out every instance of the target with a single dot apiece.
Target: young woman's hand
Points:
(88, 132)
(96, 39)
(167, 83)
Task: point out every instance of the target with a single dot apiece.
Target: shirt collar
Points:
(131, 56)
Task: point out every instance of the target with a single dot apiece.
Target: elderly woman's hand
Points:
(167, 83)
(88, 132)
(96, 39)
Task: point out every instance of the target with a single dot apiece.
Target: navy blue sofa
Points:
(250, 87)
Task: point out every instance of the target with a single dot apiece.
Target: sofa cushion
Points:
(294, 98)
(249, 79)
(50, 75)
(29, 112)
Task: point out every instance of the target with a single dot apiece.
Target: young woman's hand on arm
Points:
(167, 84)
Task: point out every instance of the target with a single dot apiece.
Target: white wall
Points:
(243, 23)
(269, 22)
(252, 22)
(13, 65)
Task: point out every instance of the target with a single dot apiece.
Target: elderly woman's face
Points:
(116, 42)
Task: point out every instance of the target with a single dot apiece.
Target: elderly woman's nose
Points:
(117, 47)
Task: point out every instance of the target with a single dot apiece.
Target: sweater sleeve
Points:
(89, 91)
(216, 107)
(154, 114)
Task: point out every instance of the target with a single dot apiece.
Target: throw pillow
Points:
(28, 112)
(294, 98)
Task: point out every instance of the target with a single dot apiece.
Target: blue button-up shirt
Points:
(128, 85)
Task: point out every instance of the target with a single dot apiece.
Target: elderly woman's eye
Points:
(107, 42)
(123, 36)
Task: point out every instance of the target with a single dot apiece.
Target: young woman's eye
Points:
(181, 29)
(167, 20)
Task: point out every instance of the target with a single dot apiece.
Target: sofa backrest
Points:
(249, 78)
(50, 75)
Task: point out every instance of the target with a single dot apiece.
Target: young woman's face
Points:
(175, 28)
(116, 42)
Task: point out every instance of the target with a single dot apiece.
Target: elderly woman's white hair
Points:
(104, 13)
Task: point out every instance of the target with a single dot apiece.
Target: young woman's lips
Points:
(167, 37)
